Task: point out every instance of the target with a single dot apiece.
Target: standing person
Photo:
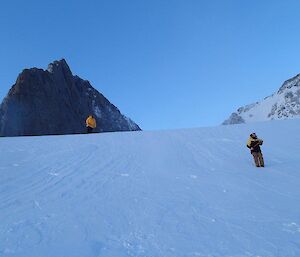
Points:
(254, 145)
(90, 124)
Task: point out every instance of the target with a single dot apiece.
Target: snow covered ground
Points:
(184, 193)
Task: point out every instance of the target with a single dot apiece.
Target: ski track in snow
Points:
(184, 193)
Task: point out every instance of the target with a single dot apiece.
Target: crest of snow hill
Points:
(54, 102)
(283, 104)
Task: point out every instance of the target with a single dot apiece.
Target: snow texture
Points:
(284, 104)
(182, 193)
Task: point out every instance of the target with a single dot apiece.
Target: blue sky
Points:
(165, 63)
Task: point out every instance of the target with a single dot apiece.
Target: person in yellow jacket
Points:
(90, 124)
(254, 144)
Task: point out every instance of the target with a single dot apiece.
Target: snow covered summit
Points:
(184, 193)
(283, 104)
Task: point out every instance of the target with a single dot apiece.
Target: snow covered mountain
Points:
(191, 193)
(54, 101)
(283, 104)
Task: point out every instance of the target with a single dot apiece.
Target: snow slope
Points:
(182, 193)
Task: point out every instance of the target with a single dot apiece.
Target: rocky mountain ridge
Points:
(283, 104)
(54, 101)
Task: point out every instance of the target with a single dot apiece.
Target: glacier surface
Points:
(191, 192)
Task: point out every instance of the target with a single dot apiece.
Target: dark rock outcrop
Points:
(234, 119)
(53, 101)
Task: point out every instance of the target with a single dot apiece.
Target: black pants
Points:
(89, 130)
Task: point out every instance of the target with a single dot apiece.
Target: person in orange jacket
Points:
(90, 124)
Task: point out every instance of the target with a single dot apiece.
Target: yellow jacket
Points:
(250, 140)
(90, 122)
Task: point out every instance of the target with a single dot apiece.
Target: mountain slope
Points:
(178, 193)
(283, 104)
(54, 101)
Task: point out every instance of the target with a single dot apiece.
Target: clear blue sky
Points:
(164, 63)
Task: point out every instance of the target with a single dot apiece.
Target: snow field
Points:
(192, 192)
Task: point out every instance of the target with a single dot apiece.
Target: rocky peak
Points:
(53, 101)
(283, 104)
(60, 66)
(293, 82)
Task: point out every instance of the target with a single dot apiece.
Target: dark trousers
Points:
(258, 159)
(89, 130)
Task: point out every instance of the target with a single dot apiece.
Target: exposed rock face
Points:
(53, 101)
(284, 104)
(234, 119)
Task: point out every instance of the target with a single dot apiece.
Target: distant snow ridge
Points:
(284, 104)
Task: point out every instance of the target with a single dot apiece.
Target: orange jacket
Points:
(90, 122)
